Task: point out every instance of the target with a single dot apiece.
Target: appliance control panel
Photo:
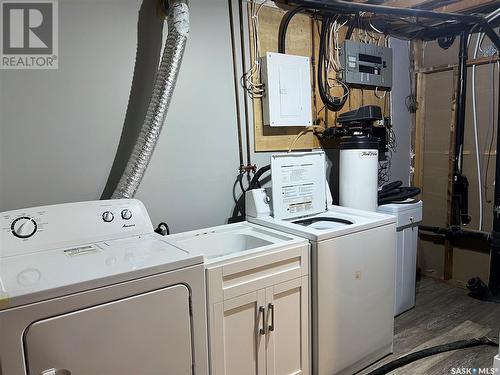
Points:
(50, 227)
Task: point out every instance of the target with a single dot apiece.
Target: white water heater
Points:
(358, 177)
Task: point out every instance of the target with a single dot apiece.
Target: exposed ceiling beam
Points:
(405, 3)
(464, 6)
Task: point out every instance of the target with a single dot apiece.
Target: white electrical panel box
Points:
(287, 85)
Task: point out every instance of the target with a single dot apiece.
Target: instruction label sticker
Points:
(81, 250)
(298, 181)
(297, 187)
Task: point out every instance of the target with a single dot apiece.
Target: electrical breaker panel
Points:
(287, 85)
(366, 65)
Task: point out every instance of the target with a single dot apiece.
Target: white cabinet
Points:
(259, 314)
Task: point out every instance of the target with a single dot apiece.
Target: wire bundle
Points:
(384, 171)
(251, 80)
(327, 62)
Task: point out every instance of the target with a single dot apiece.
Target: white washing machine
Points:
(352, 263)
(88, 288)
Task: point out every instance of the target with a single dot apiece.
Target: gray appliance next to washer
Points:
(408, 216)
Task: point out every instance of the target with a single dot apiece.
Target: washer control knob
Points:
(108, 216)
(23, 227)
(126, 214)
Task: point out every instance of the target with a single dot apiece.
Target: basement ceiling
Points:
(410, 27)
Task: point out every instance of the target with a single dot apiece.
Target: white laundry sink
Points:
(228, 240)
(213, 245)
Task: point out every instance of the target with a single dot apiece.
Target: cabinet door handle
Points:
(271, 311)
(262, 331)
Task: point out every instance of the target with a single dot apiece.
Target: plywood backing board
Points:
(298, 42)
(435, 167)
(302, 39)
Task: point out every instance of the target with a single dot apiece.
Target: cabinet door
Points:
(238, 345)
(287, 322)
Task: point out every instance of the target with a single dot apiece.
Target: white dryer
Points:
(352, 263)
(88, 288)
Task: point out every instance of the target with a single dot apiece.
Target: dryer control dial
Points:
(108, 216)
(126, 214)
(23, 227)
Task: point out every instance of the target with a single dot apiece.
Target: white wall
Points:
(60, 129)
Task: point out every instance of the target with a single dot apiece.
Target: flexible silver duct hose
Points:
(166, 78)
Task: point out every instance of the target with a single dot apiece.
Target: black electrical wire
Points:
(285, 21)
(394, 192)
(412, 357)
(254, 183)
(398, 195)
(455, 232)
(332, 103)
(390, 186)
(240, 181)
(255, 180)
(352, 24)
(312, 220)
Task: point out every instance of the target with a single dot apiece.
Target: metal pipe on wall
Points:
(165, 81)
(236, 87)
(461, 96)
(460, 183)
(244, 66)
(494, 280)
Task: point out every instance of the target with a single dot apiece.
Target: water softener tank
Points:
(358, 177)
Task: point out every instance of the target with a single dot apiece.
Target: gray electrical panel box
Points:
(366, 64)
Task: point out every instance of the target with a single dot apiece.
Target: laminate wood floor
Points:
(443, 314)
